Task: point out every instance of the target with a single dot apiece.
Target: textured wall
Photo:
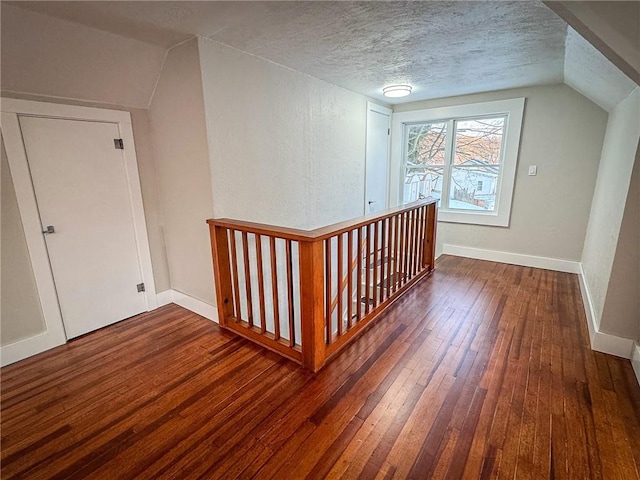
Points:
(21, 314)
(182, 165)
(608, 206)
(562, 134)
(285, 148)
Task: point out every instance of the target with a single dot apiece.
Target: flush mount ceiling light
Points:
(396, 91)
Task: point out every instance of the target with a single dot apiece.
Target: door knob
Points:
(371, 201)
(49, 230)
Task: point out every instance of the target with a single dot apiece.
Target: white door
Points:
(377, 158)
(80, 184)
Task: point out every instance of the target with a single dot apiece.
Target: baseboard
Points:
(600, 341)
(164, 298)
(27, 347)
(196, 306)
(41, 342)
(546, 263)
(635, 360)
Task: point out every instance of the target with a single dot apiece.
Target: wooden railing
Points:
(307, 294)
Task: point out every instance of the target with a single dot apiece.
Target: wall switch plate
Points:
(533, 169)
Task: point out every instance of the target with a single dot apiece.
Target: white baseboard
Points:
(41, 342)
(164, 298)
(635, 360)
(196, 306)
(27, 347)
(600, 341)
(546, 263)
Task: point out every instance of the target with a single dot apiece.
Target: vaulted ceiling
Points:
(441, 48)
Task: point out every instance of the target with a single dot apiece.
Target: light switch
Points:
(533, 169)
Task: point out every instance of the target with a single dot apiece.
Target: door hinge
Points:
(119, 144)
(140, 287)
(388, 131)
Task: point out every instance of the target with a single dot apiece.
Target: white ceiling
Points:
(441, 48)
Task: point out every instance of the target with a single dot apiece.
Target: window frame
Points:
(513, 109)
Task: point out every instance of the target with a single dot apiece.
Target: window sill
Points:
(474, 218)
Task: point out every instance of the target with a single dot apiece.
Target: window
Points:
(465, 156)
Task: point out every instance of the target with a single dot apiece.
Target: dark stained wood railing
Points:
(307, 294)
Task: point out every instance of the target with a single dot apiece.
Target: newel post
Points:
(311, 304)
(430, 237)
(222, 272)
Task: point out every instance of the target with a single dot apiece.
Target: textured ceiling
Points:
(441, 48)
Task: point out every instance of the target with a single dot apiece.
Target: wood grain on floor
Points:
(481, 371)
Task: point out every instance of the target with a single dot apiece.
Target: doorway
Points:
(377, 158)
(76, 179)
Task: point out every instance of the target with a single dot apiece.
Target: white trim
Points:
(27, 347)
(44, 341)
(196, 306)
(600, 341)
(514, 108)
(28, 208)
(68, 112)
(547, 263)
(635, 361)
(163, 298)
(30, 217)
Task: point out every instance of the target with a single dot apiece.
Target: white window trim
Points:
(514, 108)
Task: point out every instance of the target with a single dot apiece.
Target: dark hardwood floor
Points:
(481, 371)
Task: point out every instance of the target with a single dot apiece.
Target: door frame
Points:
(374, 107)
(11, 109)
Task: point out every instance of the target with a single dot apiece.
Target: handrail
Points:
(320, 233)
(286, 288)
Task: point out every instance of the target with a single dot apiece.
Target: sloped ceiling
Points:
(441, 48)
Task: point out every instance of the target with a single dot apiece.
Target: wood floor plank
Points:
(482, 370)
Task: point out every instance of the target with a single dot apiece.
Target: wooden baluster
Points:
(413, 242)
(396, 253)
(236, 286)
(418, 242)
(359, 277)
(222, 272)
(386, 249)
(416, 239)
(339, 286)
(328, 289)
(274, 288)
(350, 278)
(292, 332)
(247, 278)
(423, 232)
(263, 320)
(409, 242)
(368, 270)
(403, 257)
(375, 264)
(311, 304)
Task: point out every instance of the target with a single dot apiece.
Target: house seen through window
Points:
(458, 161)
(463, 155)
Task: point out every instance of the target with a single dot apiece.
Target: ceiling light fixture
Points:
(396, 91)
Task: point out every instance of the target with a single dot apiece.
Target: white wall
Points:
(285, 148)
(49, 56)
(621, 311)
(182, 165)
(608, 207)
(562, 133)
